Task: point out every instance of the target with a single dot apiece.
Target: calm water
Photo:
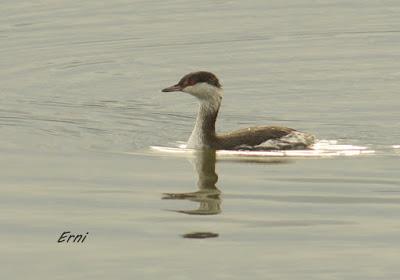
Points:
(80, 105)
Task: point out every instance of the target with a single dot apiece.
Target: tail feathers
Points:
(295, 140)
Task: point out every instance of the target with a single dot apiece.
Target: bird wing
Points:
(252, 136)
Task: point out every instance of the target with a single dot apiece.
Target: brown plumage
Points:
(252, 136)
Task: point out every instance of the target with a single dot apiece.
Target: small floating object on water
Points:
(200, 235)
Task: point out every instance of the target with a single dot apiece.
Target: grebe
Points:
(206, 87)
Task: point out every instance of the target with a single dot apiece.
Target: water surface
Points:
(80, 105)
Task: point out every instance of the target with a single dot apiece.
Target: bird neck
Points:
(203, 134)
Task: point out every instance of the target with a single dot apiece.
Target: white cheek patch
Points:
(188, 89)
(203, 91)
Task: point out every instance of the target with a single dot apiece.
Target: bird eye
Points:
(190, 82)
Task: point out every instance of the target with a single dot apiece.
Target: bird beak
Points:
(172, 88)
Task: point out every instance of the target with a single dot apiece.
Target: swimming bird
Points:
(206, 87)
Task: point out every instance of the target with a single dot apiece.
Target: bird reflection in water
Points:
(208, 194)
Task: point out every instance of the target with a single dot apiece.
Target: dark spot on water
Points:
(200, 235)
